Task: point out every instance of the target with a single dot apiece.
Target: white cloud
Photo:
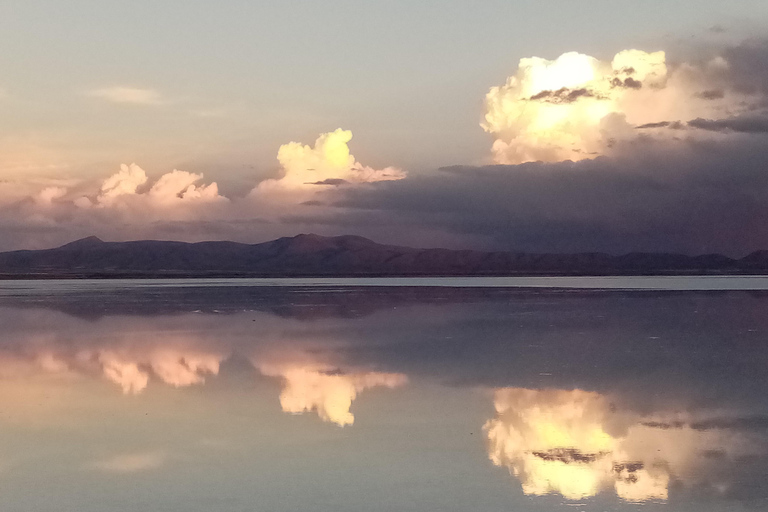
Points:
(125, 182)
(329, 161)
(576, 106)
(174, 188)
(178, 185)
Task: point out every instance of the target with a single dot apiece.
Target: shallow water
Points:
(334, 395)
(681, 283)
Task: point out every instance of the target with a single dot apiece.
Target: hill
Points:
(313, 255)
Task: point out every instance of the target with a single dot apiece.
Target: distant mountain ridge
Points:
(314, 255)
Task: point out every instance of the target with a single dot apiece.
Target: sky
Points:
(511, 125)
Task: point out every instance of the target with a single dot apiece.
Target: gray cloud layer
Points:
(692, 197)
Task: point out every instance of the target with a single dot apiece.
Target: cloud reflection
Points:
(327, 391)
(131, 462)
(175, 361)
(134, 358)
(578, 444)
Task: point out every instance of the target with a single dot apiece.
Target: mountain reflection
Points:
(578, 444)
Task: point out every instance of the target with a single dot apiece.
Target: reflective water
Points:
(228, 396)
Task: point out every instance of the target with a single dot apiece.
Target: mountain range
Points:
(313, 255)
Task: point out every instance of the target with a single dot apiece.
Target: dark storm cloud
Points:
(331, 181)
(629, 83)
(747, 70)
(672, 125)
(711, 94)
(750, 423)
(742, 124)
(563, 95)
(693, 197)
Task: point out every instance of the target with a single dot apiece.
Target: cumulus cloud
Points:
(181, 203)
(125, 182)
(173, 188)
(555, 110)
(328, 162)
(576, 107)
(180, 185)
(128, 95)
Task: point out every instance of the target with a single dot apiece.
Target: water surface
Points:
(354, 396)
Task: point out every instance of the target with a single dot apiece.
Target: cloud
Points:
(678, 196)
(743, 69)
(329, 161)
(667, 158)
(742, 124)
(180, 203)
(125, 182)
(712, 94)
(577, 107)
(131, 462)
(128, 95)
(674, 125)
(679, 137)
(177, 187)
(180, 185)
(50, 194)
(753, 423)
(553, 110)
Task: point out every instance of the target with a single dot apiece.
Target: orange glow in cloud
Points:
(181, 185)
(174, 188)
(329, 162)
(123, 183)
(576, 106)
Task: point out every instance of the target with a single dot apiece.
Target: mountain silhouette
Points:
(314, 255)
